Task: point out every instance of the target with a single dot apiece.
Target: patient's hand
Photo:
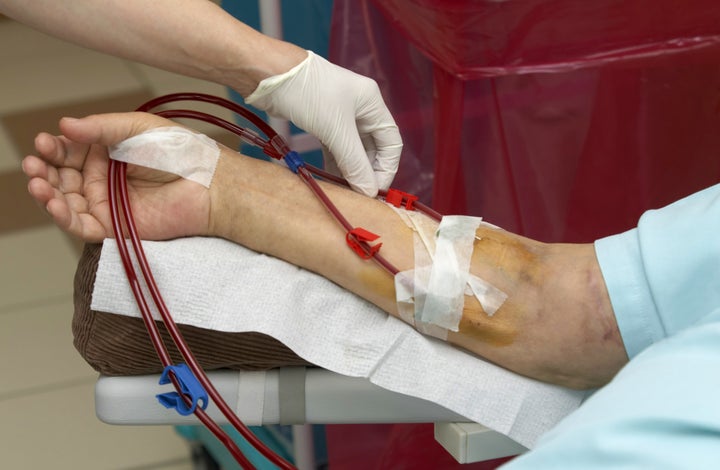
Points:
(68, 177)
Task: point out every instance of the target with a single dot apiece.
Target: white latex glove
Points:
(345, 111)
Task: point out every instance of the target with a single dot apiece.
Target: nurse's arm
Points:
(196, 38)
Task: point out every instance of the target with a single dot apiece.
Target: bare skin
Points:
(557, 324)
(224, 50)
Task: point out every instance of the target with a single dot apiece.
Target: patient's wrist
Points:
(222, 211)
(248, 197)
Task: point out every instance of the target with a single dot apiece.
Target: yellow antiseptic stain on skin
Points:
(500, 258)
(379, 287)
(497, 330)
(506, 262)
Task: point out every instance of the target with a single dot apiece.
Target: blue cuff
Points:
(630, 295)
(663, 276)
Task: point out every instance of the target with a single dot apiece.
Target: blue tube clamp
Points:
(189, 386)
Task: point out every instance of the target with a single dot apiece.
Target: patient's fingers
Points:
(45, 186)
(77, 203)
(41, 191)
(68, 211)
(111, 128)
(60, 212)
(52, 200)
(48, 149)
(61, 152)
(34, 167)
(88, 228)
(76, 223)
(68, 180)
(65, 180)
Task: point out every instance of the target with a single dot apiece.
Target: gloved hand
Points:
(345, 111)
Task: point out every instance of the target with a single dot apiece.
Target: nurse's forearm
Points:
(191, 37)
(556, 325)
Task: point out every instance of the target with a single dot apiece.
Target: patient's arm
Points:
(557, 324)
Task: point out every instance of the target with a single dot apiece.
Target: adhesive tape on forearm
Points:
(450, 271)
(421, 279)
(175, 150)
(405, 296)
(412, 286)
(489, 296)
(410, 291)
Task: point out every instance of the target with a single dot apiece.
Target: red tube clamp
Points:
(399, 198)
(358, 239)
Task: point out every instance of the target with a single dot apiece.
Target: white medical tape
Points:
(410, 289)
(271, 406)
(175, 150)
(421, 277)
(424, 229)
(405, 296)
(413, 290)
(450, 272)
(489, 296)
(412, 286)
(251, 396)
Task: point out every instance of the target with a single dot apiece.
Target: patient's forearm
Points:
(269, 209)
(556, 325)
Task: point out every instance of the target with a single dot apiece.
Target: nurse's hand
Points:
(68, 177)
(345, 111)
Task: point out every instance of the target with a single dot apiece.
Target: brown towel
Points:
(119, 345)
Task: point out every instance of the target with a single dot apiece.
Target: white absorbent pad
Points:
(215, 284)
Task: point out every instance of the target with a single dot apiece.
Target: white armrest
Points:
(472, 442)
(330, 398)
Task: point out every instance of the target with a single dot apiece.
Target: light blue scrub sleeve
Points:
(663, 276)
(661, 410)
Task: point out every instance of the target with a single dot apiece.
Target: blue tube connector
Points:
(294, 161)
(189, 386)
